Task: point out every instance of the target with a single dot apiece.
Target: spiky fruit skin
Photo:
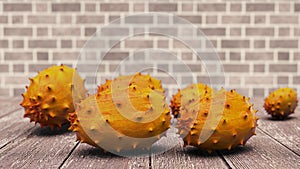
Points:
(50, 95)
(106, 118)
(281, 103)
(216, 120)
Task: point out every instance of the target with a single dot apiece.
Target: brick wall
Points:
(257, 41)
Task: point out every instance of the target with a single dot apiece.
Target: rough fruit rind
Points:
(49, 97)
(236, 122)
(281, 103)
(107, 126)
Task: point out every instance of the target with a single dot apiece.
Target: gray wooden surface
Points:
(24, 145)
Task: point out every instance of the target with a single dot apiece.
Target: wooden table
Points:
(24, 145)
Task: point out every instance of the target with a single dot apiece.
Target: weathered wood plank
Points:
(86, 156)
(287, 132)
(188, 157)
(261, 151)
(42, 148)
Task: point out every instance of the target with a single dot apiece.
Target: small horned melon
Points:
(281, 103)
(213, 120)
(127, 113)
(50, 95)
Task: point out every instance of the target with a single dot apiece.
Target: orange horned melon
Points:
(49, 97)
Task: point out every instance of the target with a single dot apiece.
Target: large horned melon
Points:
(49, 97)
(127, 113)
(213, 120)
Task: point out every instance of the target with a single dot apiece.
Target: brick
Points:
(90, 7)
(4, 68)
(211, 79)
(116, 56)
(296, 55)
(282, 80)
(211, 7)
(296, 80)
(114, 31)
(259, 68)
(65, 56)
(89, 19)
(214, 31)
(283, 56)
(139, 19)
(297, 31)
(37, 67)
(259, 19)
(259, 56)
(42, 31)
(121, 7)
(139, 44)
(42, 56)
(12, 80)
(163, 44)
(18, 56)
(3, 19)
(283, 67)
(141, 67)
(235, 56)
(257, 80)
(235, 43)
(89, 31)
(284, 31)
(260, 7)
(163, 56)
(65, 7)
(297, 7)
(280, 19)
(66, 19)
(284, 43)
(3, 43)
(17, 7)
(165, 31)
(162, 7)
(211, 19)
(235, 19)
(41, 19)
(18, 68)
(259, 44)
(66, 43)
(42, 44)
(236, 68)
(10, 31)
(195, 19)
(41, 7)
(236, 7)
(17, 19)
(260, 31)
(235, 31)
(187, 7)
(284, 7)
(18, 43)
(68, 31)
(139, 7)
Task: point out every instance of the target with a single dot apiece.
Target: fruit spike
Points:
(281, 103)
(49, 99)
(200, 124)
(126, 113)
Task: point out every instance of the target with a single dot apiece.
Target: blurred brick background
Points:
(258, 41)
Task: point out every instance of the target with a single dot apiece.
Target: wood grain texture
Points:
(42, 148)
(86, 156)
(287, 132)
(261, 151)
(188, 157)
